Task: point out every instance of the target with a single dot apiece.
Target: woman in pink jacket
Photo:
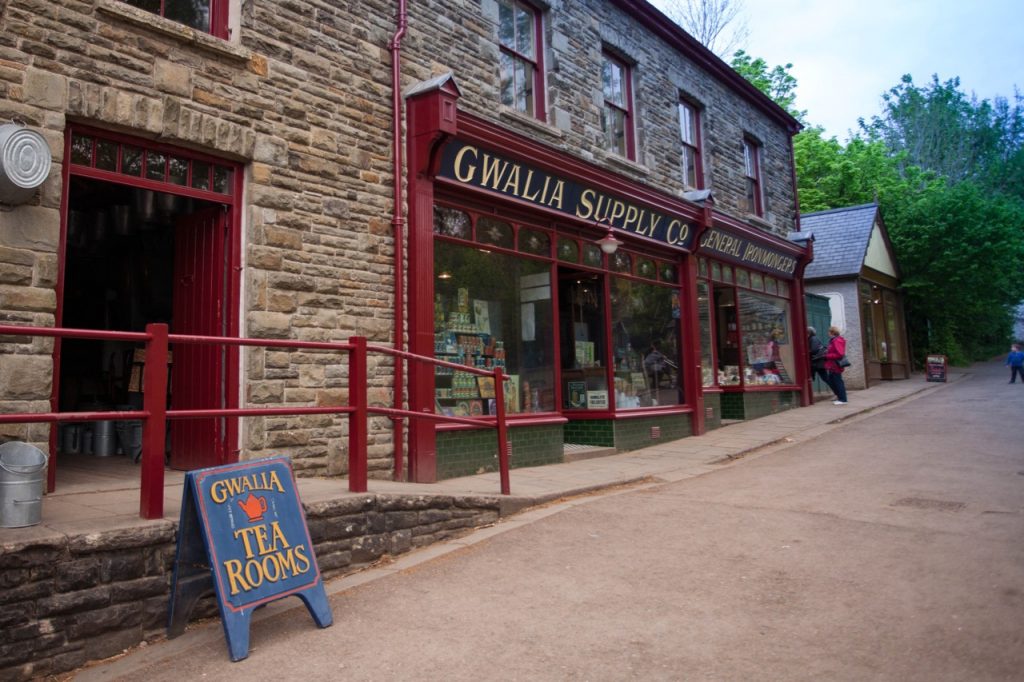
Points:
(836, 350)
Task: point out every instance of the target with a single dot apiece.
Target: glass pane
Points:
(690, 167)
(106, 155)
(768, 344)
(221, 180)
(493, 231)
(742, 277)
(613, 123)
(771, 285)
(81, 150)
(668, 273)
(613, 80)
(645, 267)
(584, 341)
(716, 272)
(727, 341)
(156, 165)
(702, 267)
(148, 5)
(645, 344)
(178, 170)
(534, 241)
(756, 281)
(894, 345)
(494, 310)
(200, 175)
(592, 255)
(524, 32)
(707, 365)
(568, 250)
(451, 222)
(783, 288)
(193, 13)
(506, 24)
(524, 80)
(131, 160)
(727, 274)
(508, 80)
(622, 262)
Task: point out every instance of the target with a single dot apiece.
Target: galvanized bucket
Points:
(21, 484)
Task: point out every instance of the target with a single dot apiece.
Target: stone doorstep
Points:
(573, 452)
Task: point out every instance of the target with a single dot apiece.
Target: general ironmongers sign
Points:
(470, 165)
(731, 247)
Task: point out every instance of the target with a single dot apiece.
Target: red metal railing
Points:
(154, 413)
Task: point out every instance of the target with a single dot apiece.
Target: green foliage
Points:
(775, 82)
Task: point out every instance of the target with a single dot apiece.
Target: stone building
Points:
(231, 171)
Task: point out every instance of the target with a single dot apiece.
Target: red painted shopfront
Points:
(583, 285)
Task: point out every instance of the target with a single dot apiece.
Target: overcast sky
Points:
(846, 54)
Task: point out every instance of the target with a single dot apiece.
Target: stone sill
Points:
(623, 163)
(530, 122)
(758, 221)
(172, 29)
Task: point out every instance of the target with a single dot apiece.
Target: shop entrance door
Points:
(583, 330)
(198, 370)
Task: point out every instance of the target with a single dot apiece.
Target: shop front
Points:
(749, 303)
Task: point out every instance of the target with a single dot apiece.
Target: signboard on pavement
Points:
(243, 523)
(935, 368)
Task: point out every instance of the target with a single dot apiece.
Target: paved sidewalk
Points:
(97, 501)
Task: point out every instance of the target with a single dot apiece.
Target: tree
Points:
(777, 82)
(716, 24)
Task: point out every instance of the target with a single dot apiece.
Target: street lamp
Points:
(609, 244)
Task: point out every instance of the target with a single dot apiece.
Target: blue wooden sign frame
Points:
(243, 525)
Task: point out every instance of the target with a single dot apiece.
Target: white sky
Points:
(845, 54)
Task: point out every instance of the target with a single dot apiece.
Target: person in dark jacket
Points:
(816, 349)
(1016, 362)
(836, 351)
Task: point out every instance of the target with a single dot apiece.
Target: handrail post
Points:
(499, 404)
(151, 499)
(359, 416)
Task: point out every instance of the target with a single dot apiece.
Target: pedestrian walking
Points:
(835, 362)
(1016, 362)
(816, 349)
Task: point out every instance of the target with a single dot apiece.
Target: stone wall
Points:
(68, 600)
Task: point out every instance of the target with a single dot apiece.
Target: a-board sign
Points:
(935, 368)
(243, 525)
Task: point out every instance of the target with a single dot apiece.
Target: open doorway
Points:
(137, 253)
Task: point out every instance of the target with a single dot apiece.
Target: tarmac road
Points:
(890, 548)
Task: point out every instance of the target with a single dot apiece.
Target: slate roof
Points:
(841, 238)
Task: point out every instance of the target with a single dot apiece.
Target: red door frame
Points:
(231, 200)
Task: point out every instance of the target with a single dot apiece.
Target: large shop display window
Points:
(753, 336)
(501, 288)
(882, 321)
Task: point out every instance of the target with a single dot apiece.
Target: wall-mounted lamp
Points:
(608, 243)
(444, 274)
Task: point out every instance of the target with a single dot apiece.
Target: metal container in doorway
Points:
(22, 468)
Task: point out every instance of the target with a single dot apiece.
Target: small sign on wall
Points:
(243, 523)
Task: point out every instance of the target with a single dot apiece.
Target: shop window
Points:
(867, 323)
(617, 113)
(208, 16)
(742, 277)
(451, 222)
(702, 267)
(783, 289)
(771, 285)
(645, 344)
(752, 200)
(520, 38)
(707, 362)
(727, 339)
(535, 242)
(689, 133)
(716, 272)
(592, 255)
(668, 273)
(568, 250)
(893, 326)
(494, 231)
(767, 340)
(646, 268)
(621, 262)
(492, 309)
(879, 347)
(757, 281)
(727, 274)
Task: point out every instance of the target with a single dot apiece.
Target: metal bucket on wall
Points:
(22, 468)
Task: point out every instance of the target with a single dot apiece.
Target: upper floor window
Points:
(519, 32)
(689, 133)
(752, 201)
(617, 114)
(208, 16)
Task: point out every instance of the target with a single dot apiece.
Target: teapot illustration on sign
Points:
(254, 507)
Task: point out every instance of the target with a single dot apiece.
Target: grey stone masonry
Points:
(66, 600)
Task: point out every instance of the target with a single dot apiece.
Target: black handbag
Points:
(843, 362)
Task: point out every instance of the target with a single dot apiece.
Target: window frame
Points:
(625, 107)
(753, 199)
(219, 17)
(691, 146)
(537, 61)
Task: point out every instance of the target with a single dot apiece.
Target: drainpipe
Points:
(398, 229)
